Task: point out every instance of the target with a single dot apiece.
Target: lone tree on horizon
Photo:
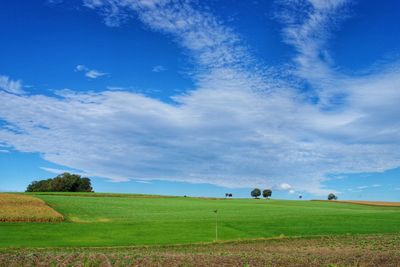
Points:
(332, 196)
(267, 193)
(256, 193)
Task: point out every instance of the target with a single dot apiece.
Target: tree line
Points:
(65, 182)
(266, 193)
(256, 192)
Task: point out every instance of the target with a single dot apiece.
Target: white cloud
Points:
(285, 186)
(307, 27)
(243, 126)
(158, 68)
(89, 73)
(60, 171)
(81, 68)
(55, 2)
(143, 182)
(11, 86)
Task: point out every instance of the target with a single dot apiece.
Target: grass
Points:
(24, 208)
(354, 250)
(100, 221)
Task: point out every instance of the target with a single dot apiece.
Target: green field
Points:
(141, 220)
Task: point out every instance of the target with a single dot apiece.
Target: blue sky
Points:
(203, 97)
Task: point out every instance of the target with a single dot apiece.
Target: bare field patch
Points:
(369, 203)
(374, 203)
(370, 250)
(24, 208)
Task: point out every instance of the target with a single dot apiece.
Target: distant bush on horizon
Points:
(65, 182)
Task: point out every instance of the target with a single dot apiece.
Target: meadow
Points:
(136, 220)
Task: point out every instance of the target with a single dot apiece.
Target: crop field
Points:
(99, 221)
(347, 250)
(24, 208)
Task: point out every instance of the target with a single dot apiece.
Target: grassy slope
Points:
(111, 221)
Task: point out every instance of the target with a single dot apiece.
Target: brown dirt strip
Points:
(361, 250)
(369, 203)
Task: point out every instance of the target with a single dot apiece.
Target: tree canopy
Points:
(256, 193)
(267, 193)
(65, 182)
(332, 196)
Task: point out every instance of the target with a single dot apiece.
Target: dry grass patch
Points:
(23, 208)
(374, 203)
(369, 203)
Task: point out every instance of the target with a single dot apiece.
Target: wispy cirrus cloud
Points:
(10, 86)
(158, 68)
(90, 73)
(242, 126)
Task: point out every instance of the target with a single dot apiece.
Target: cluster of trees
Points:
(256, 192)
(228, 195)
(65, 182)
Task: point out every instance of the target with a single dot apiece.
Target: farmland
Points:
(132, 220)
(347, 250)
(24, 208)
(372, 203)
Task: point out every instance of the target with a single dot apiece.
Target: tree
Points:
(332, 196)
(256, 193)
(267, 193)
(65, 182)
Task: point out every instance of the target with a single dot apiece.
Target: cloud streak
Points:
(10, 86)
(89, 73)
